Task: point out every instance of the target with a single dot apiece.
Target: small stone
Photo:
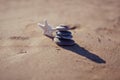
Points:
(64, 37)
(62, 33)
(64, 42)
(62, 28)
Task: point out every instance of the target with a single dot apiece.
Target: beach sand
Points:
(26, 54)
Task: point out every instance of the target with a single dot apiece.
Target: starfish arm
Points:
(41, 25)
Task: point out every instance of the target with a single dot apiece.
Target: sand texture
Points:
(26, 54)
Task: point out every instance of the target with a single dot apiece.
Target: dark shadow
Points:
(49, 37)
(83, 52)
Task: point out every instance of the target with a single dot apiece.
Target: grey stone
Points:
(62, 28)
(64, 42)
(64, 36)
(62, 33)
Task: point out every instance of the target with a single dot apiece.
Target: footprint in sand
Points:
(108, 32)
(112, 31)
(19, 38)
(17, 41)
(22, 51)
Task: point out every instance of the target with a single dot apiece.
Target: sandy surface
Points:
(26, 54)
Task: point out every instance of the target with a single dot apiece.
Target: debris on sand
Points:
(19, 38)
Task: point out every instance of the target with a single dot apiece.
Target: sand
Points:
(26, 54)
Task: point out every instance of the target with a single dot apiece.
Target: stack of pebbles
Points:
(63, 36)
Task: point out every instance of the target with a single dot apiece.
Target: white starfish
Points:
(47, 29)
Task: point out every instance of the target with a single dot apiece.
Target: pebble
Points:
(62, 33)
(64, 42)
(64, 37)
(62, 28)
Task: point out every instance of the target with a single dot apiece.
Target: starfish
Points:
(47, 29)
